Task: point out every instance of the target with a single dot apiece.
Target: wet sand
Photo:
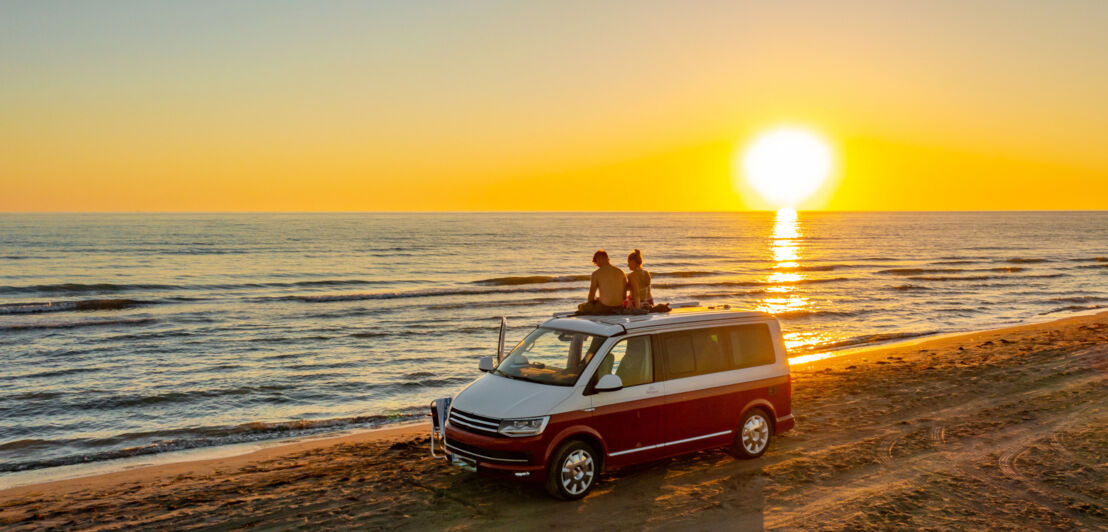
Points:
(1001, 429)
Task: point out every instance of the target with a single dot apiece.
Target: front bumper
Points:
(522, 458)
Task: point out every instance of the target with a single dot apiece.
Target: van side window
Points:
(751, 345)
(679, 355)
(695, 353)
(630, 360)
(710, 353)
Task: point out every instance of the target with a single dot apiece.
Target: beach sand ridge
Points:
(1001, 429)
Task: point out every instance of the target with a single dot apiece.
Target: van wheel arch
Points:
(573, 469)
(767, 408)
(770, 416)
(595, 443)
(589, 439)
(758, 432)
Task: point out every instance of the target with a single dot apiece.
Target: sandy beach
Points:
(999, 429)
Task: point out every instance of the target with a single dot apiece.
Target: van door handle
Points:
(652, 390)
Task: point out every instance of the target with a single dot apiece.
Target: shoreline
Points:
(257, 452)
(1004, 427)
(905, 342)
(68, 472)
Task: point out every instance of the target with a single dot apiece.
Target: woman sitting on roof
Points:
(638, 284)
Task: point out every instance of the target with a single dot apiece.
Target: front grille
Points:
(488, 455)
(474, 423)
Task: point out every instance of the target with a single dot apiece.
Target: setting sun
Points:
(786, 166)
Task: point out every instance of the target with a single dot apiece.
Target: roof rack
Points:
(681, 304)
(685, 304)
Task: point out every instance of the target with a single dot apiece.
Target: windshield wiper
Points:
(519, 377)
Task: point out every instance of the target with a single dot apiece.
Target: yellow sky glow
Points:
(198, 107)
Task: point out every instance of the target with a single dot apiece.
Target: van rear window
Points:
(751, 345)
(704, 351)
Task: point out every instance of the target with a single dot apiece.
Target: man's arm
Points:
(592, 288)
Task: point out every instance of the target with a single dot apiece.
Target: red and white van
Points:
(581, 395)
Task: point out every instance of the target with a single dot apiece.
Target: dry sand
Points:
(1002, 429)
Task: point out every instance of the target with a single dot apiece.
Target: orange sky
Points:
(615, 106)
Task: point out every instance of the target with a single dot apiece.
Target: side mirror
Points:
(485, 364)
(609, 383)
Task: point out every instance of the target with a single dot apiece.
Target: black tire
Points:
(572, 471)
(754, 434)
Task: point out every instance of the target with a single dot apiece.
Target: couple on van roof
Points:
(611, 290)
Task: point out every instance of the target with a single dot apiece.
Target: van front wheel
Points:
(754, 434)
(572, 472)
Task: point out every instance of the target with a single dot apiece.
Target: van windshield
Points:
(551, 356)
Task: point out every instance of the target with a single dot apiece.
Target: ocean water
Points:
(130, 334)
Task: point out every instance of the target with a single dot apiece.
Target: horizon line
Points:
(563, 212)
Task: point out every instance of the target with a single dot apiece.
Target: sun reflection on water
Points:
(783, 295)
(780, 290)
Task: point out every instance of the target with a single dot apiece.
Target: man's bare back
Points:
(611, 283)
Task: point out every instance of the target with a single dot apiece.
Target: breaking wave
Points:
(331, 298)
(1073, 308)
(919, 271)
(67, 306)
(906, 287)
(544, 279)
(79, 288)
(1079, 299)
(861, 340)
(825, 268)
(800, 314)
(532, 279)
(73, 324)
(748, 283)
(980, 277)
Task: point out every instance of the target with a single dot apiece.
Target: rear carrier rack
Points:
(440, 408)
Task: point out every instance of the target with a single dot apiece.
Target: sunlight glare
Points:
(787, 165)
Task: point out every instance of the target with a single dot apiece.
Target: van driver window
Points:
(630, 360)
(751, 345)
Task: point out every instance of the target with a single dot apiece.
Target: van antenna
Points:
(500, 342)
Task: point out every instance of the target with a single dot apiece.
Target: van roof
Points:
(617, 324)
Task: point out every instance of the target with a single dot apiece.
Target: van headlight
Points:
(517, 428)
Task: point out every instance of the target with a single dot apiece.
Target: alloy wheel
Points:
(755, 434)
(577, 472)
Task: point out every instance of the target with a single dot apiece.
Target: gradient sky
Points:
(320, 106)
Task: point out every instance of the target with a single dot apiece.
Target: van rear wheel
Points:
(755, 431)
(572, 472)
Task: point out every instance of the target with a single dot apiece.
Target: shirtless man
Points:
(609, 280)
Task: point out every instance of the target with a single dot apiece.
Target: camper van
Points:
(581, 395)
